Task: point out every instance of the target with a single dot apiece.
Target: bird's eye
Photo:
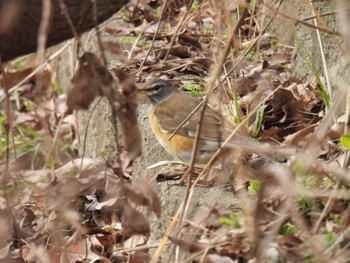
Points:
(156, 88)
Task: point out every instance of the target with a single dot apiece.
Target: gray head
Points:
(158, 90)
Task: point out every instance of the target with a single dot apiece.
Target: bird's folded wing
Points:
(176, 110)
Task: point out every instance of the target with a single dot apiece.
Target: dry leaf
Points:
(188, 246)
(127, 113)
(133, 221)
(92, 79)
(142, 194)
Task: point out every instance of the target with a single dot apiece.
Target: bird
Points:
(168, 108)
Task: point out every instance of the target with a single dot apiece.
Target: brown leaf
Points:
(141, 256)
(187, 246)
(296, 110)
(90, 81)
(300, 137)
(287, 246)
(115, 48)
(187, 38)
(133, 221)
(177, 51)
(272, 135)
(345, 218)
(96, 205)
(244, 85)
(281, 98)
(292, 248)
(29, 217)
(121, 164)
(289, 240)
(237, 244)
(97, 230)
(13, 78)
(171, 175)
(142, 194)
(78, 250)
(127, 113)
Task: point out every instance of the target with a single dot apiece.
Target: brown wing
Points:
(178, 108)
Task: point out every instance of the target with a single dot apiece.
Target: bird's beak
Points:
(141, 89)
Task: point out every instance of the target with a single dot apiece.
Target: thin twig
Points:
(137, 248)
(64, 10)
(98, 34)
(167, 233)
(154, 36)
(8, 129)
(48, 155)
(42, 34)
(323, 29)
(172, 41)
(86, 132)
(134, 45)
(325, 69)
(326, 209)
(185, 120)
(322, 15)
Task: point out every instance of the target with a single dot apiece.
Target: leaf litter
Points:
(83, 210)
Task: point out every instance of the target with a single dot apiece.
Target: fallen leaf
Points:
(188, 246)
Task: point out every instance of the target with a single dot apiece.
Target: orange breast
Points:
(179, 146)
